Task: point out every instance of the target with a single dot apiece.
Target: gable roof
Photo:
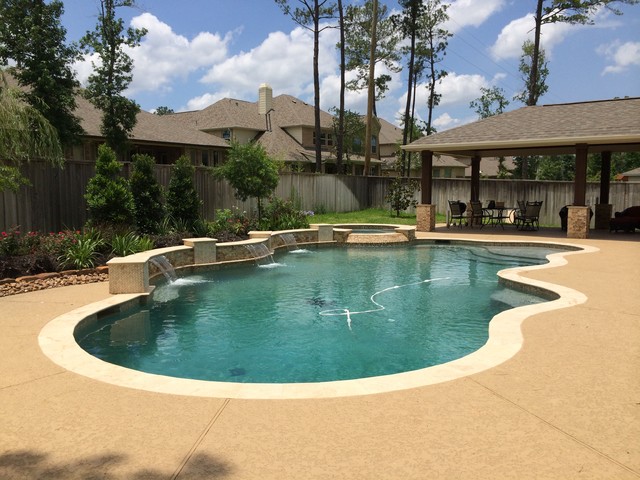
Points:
(612, 125)
(389, 133)
(149, 128)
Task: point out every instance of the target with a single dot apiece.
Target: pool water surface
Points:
(320, 315)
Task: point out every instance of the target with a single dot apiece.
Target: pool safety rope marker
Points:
(339, 312)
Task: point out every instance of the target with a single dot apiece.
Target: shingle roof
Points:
(149, 128)
(389, 133)
(600, 124)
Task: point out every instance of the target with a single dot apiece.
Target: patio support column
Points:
(603, 207)
(426, 181)
(580, 183)
(475, 178)
(578, 216)
(426, 211)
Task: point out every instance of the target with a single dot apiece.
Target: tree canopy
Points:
(250, 171)
(33, 38)
(113, 73)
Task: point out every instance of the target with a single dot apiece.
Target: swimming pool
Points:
(329, 314)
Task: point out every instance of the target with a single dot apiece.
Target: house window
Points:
(326, 139)
(227, 135)
(357, 145)
(374, 144)
(205, 158)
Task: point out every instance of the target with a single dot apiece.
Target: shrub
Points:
(232, 221)
(10, 242)
(147, 195)
(130, 243)
(109, 199)
(282, 215)
(83, 253)
(183, 203)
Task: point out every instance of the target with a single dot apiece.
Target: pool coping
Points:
(57, 342)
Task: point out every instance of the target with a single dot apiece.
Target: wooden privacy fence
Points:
(55, 199)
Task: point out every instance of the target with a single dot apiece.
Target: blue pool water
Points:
(318, 315)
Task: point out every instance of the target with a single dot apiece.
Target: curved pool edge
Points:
(57, 342)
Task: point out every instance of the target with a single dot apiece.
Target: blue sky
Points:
(199, 51)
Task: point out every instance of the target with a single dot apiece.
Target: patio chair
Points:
(528, 219)
(456, 209)
(477, 215)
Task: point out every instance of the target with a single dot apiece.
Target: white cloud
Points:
(444, 122)
(623, 56)
(164, 56)
(282, 60)
(465, 13)
(203, 101)
(513, 35)
(455, 89)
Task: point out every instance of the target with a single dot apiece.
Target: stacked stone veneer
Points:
(578, 220)
(132, 274)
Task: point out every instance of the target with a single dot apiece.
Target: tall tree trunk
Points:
(316, 84)
(371, 91)
(533, 75)
(340, 137)
(408, 119)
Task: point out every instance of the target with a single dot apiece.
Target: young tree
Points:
(113, 73)
(108, 196)
(32, 36)
(250, 171)
(353, 129)
(24, 135)
(147, 194)
(491, 102)
(437, 40)
(340, 127)
(359, 23)
(532, 92)
(562, 11)
(408, 23)
(162, 110)
(183, 202)
(309, 15)
(400, 194)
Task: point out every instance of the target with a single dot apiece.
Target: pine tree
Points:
(183, 203)
(147, 194)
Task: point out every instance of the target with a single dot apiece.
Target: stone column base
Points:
(603, 215)
(425, 218)
(325, 231)
(204, 249)
(578, 219)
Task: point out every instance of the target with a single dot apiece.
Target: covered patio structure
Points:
(601, 127)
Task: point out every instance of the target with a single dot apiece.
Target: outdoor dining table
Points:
(499, 215)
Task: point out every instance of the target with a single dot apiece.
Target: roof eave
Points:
(507, 145)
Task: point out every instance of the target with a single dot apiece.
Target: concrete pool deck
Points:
(567, 405)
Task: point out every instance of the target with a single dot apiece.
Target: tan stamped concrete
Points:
(567, 405)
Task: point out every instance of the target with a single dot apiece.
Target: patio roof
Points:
(605, 125)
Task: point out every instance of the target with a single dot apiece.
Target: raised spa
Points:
(318, 315)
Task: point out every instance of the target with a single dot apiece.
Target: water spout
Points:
(290, 241)
(164, 265)
(260, 253)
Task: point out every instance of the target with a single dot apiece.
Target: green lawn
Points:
(371, 215)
